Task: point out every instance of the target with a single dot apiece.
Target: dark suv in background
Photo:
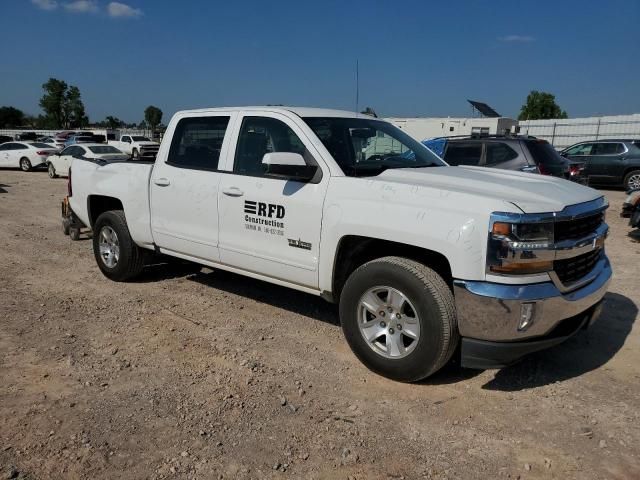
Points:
(611, 162)
(524, 153)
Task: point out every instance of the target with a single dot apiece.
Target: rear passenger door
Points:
(605, 162)
(184, 186)
(271, 226)
(463, 153)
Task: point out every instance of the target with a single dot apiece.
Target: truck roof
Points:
(300, 111)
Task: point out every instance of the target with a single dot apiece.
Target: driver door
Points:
(62, 163)
(271, 226)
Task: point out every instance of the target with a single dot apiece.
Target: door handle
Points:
(162, 182)
(233, 192)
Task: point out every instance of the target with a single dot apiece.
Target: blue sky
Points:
(416, 57)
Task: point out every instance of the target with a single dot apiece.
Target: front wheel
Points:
(52, 171)
(118, 257)
(632, 180)
(25, 164)
(135, 154)
(399, 318)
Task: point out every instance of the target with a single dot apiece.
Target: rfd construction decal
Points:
(264, 217)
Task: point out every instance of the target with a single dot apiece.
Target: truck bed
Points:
(127, 181)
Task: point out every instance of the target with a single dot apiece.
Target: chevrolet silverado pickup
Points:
(137, 146)
(425, 260)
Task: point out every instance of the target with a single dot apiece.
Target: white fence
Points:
(565, 132)
(98, 131)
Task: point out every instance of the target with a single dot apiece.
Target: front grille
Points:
(581, 227)
(572, 269)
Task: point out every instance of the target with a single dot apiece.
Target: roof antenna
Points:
(357, 86)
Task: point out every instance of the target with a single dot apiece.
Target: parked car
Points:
(422, 258)
(26, 155)
(524, 153)
(57, 143)
(59, 163)
(631, 208)
(137, 146)
(609, 162)
(73, 139)
(27, 136)
(6, 138)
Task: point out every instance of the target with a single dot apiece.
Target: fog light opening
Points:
(527, 314)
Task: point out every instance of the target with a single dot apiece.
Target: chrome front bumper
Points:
(492, 311)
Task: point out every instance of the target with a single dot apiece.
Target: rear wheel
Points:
(25, 164)
(632, 180)
(118, 257)
(52, 171)
(399, 318)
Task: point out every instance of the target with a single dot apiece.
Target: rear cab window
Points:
(197, 142)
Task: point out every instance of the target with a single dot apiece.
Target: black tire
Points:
(66, 225)
(131, 257)
(627, 179)
(52, 171)
(434, 304)
(25, 164)
(135, 154)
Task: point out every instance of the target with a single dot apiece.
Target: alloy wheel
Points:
(388, 322)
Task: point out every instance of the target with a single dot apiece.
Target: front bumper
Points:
(492, 312)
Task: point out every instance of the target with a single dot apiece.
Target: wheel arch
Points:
(98, 204)
(355, 250)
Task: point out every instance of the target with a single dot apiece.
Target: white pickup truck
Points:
(137, 146)
(422, 258)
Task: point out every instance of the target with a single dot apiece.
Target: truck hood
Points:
(531, 193)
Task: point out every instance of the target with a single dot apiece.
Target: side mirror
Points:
(563, 154)
(288, 166)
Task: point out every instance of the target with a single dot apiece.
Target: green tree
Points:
(541, 106)
(53, 102)
(153, 117)
(113, 122)
(74, 109)
(11, 117)
(62, 105)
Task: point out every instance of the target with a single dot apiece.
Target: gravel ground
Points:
(194, 373)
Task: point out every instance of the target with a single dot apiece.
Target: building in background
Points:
(425, 128)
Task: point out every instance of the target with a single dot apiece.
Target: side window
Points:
(18, 146)
(197, 142)
(463, 153)
(499, 153)
(126, 139)
(67, 151)
(583, 149)
(261, 135)
(607, 148)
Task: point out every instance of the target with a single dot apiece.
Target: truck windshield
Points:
(366, 147)
(140, 139)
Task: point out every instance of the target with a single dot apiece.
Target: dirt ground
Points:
(193, 373)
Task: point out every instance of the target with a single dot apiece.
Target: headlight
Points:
(520, 248)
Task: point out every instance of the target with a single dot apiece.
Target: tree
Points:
(53, 102)
(370, 111)
(11, 117)
(113, 122)
(62, 105)
(153, 117)
(74, 109)
(541, 106)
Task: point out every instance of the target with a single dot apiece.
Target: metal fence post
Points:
(553, 134)
(598, 129)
